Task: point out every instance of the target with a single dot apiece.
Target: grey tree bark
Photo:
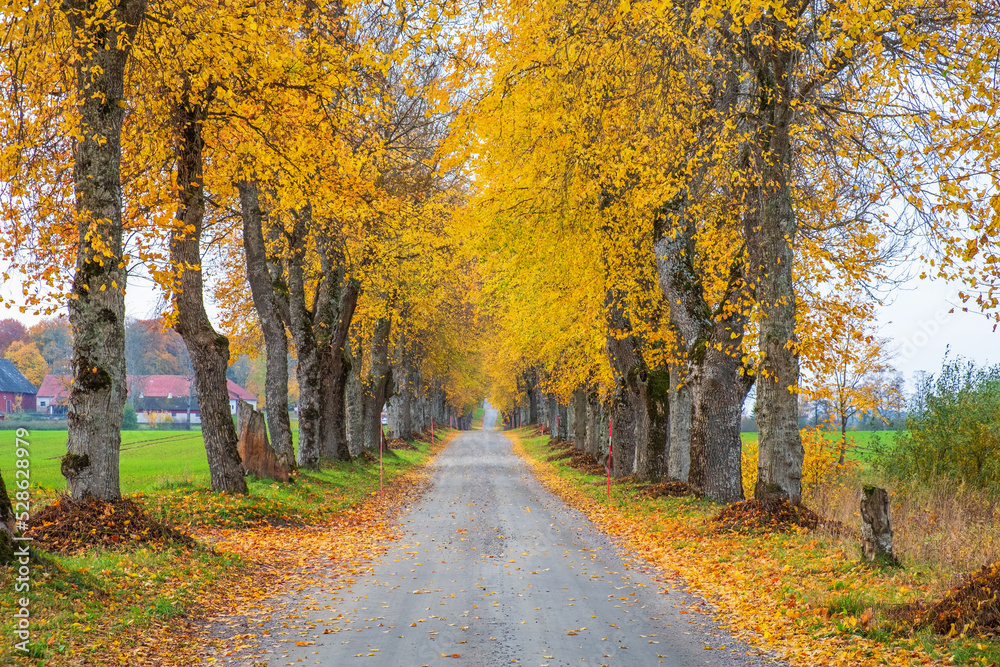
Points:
(335, 368)
(533, 397)
(97, 309)
(271, 322)
(319, 328)
(580, 421)
(355, 404)
(629, 426)
(679, 440)
(208, 349)
(709, 383)
(770, 250)
(378, 386)
(596, 431)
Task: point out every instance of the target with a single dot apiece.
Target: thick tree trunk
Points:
(596, 421)
(655, 393)
(378, 386)
(681, 408)
(355, 404)
(320, 334)
(580, 420)
(626, 405)
(208, 350)
(103, 41)
(399, 404)
(718, 392)
(690, 319)
(707, 387)
(7, 526)
(533, 398)
(336, 367)
(271, 323)
(770, 244)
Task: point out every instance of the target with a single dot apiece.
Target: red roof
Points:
(56, 386)
(151, 386)
(162, 386)
(236, 391)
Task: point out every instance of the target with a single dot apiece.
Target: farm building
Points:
(16, 393)
(53, 395)
(156, 395)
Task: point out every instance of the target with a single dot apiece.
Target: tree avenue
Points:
(619, 216)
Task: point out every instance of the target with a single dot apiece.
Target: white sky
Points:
(917, 322)
(921, 328)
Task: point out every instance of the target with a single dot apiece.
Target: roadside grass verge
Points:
(141, 606)
(804, 596)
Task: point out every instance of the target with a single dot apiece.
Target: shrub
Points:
(130, 420)
(957, 435)
(821, 464)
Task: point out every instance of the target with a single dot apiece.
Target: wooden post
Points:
(876, 527)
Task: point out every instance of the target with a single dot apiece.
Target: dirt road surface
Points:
(496, 571)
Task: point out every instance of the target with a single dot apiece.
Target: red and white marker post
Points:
(611, 426)
(381, 440)
(432, 434)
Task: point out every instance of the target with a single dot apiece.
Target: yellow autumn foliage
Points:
(821, 465)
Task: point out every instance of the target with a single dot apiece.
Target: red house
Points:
(53, 395)
(16, 393)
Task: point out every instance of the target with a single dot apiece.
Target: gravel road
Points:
(497, 571)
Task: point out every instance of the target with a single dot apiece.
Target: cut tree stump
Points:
(259, 458)
(876, 527)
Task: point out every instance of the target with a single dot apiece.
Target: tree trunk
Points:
(378, 386)
(7, 526)
(708, 383)
(208, 350)
(651, 453)
(580, 421)
(596, 422)
(532, 381)
(876, 526)
(770, 245)
(97, 310)
(258, 457)
(336, 367)
(718, 393)
(355, 404)
(681, 408)
(271, 324)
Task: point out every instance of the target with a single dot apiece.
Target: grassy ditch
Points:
(804, 595)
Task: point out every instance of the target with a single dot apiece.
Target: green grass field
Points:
(150, 460)
(862, 442)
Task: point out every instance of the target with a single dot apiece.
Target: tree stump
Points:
(876, 527)
(259, 458)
